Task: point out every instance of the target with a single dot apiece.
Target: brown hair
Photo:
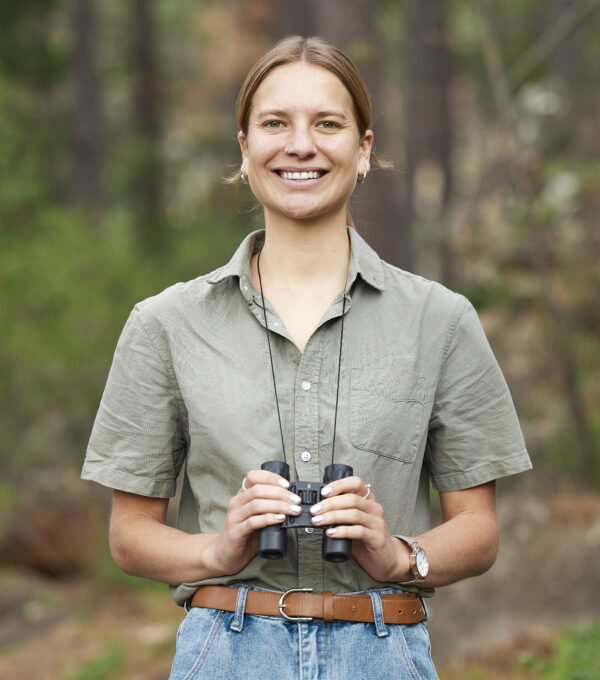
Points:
(312, 51)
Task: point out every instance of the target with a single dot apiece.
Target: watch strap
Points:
(413, 544)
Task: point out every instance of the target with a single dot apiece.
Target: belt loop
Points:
(240, 605)
(380, 628)
(424, 609)
(328, 606)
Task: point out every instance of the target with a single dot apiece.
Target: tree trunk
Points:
(147, 182)
(428, 133)
(523, 174)
(378, 207)
(86, 113)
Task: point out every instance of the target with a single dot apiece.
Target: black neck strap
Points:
(337, 392)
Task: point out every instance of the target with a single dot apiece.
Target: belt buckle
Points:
(281, 606)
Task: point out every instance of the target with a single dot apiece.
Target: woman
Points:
(305, 345)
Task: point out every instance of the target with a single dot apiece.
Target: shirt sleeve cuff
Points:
(486, 472)
(124, 481)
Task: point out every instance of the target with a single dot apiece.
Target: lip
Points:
(300, 183)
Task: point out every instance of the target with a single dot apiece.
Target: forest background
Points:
(117, 128)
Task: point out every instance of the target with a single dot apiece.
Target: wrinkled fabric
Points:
(422, 400)
(217, 645)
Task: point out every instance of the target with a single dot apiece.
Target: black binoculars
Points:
(272, 540)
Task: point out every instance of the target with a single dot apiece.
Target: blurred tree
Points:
(428, 130)
(523, 167)
(148, 171)
(86, 129)
(28, 51)
(379, 208)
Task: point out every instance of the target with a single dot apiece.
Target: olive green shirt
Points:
(421, 400)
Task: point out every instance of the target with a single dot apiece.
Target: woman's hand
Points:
(353, 508)
(266, 500)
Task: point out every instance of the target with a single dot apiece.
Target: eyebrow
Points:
(280, 113)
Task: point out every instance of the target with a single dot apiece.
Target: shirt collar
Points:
(364, 261)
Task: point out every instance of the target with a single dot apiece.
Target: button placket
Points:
(306, 433)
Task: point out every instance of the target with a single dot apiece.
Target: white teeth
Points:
(301, 175)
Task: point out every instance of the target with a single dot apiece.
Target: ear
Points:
(243, 144)
(365, 146)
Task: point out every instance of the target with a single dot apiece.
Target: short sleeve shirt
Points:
(421, 401)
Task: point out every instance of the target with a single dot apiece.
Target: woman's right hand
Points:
(265, 501)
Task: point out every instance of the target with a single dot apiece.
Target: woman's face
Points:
(303, 151)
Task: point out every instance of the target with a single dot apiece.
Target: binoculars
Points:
(272, 540)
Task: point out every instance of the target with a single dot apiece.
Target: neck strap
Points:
(337, 393)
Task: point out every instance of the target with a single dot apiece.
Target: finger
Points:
(264, 477)
(352, 484)
(254, 523)
(268, 491)
(346, 516)
(346, 500)
(242, 509)
(355, 532)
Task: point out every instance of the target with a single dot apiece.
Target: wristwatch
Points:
(419, 564)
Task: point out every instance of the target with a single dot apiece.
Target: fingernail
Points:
(295, 508)
(331, 531)
(325, 491)
(284, 483)
(279, 517)
(315, 509)
(294, 498)
(318, 519)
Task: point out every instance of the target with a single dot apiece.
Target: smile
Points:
(303, 175)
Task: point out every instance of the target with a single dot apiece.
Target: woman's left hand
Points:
(356, 514)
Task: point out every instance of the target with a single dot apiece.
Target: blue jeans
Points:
(218, 645)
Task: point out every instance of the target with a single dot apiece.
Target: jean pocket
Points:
(417, 650)
(195, 638)
(386, 412)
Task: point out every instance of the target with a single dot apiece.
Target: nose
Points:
(300, 142)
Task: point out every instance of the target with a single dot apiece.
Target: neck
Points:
(303, 253)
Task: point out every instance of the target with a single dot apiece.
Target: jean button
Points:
(309, 530)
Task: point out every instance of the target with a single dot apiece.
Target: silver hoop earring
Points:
(362, 177)
(243, 177)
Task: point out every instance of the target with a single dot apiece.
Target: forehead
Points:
(301, 86)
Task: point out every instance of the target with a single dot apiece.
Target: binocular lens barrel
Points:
(272, 541)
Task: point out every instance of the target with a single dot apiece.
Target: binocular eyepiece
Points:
(272, 540)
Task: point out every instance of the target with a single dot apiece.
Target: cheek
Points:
(260, 151)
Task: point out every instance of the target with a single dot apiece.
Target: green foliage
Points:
(576, 656)
(8, 500)
(27, 48)
(65, 293)
(104, 667)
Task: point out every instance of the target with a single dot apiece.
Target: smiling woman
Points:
(249, 379)
(302, 151)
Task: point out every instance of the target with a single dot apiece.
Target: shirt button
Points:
(305, 384)
(305, 456)
(309, 530)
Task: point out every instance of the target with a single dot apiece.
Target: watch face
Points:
(422, 563)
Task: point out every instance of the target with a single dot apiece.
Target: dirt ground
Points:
(546, 577)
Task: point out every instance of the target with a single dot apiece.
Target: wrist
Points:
(417, 559)
(403, 572)
(209, 557)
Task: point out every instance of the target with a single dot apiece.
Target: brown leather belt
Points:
(304, 605)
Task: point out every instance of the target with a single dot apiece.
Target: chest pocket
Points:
(386, 411)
